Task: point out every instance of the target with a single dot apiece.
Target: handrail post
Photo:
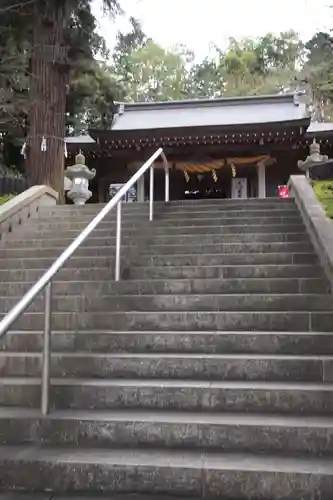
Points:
(118, 242)
(151, 193)
(167, 184)
(46, 363)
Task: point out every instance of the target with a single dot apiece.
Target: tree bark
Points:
(49, 78)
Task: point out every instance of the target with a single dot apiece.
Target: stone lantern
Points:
(80, 175)
(313, 160)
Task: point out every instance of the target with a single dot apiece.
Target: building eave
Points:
(225, 113)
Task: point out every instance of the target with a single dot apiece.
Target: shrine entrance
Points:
(230, 178)
(222, 184)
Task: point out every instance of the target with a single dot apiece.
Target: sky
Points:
(201, 23)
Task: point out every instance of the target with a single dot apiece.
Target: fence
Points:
(12, 185)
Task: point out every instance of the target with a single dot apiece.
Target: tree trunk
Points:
(49, 78)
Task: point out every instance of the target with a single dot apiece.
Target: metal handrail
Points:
(45, 282)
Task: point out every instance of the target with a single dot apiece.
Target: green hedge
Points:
(5, 198)
(324, 193)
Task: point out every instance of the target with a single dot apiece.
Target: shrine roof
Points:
(80, 139)
(222, 112)
(319, 129)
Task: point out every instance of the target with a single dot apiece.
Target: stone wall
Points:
(24, 207)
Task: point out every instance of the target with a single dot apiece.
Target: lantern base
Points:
(79, 196)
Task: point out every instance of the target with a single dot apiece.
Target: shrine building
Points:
(242, 147)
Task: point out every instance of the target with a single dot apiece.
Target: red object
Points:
(283, 192)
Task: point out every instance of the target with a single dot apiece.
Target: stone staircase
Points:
(207, 372)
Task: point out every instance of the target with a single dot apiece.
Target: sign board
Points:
(129, 197)
(131, 194)
(239, 188)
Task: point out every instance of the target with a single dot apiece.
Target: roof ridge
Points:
(189, 103)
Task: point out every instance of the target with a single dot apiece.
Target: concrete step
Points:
(197, 213)
(54, 251)
(182, 286)
(181, 262)
(186, 473)
(104, 242)
(143, 208)
(44, 259)
(179, 204)
(80, 223)
(174, 342)
(188, 239)
(177, 220)
(174, 249)
(224, 272)
(293, 398)
(297, 321)
(250, 201)
(179, 302)
(137, 210)
(213, 367)
(134, 262)
(228, 208)
(65, 274)
(158, 230)
(258, 433)
(246, 238)
(179, 342)
(214, 219)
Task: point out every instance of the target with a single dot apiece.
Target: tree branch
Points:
(16, 6)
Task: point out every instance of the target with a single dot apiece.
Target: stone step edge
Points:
(172, 417)
(167, 280)
(203, 255)
(170, 356)
(298, 312)
(173, 332)
(115, 296)
(156, 236)
(151, 245)
(163, 458)
(188, 223)
(110, 383)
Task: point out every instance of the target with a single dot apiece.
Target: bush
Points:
(5, 198)
(324, 193)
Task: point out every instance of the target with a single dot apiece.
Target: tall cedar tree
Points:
(55, 26)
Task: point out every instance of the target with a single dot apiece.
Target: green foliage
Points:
(90, 101)
(91, 89)
(5, 198)
(266, 65)
(157, 74)
(317, 73)
(324, 193)
(206, 79)
(15, 45)
(146, 71)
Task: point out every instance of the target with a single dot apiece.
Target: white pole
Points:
(167, 185)
(118, 242)
(46, 360)
(151, 193)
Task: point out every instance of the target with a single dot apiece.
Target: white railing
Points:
(45, 282)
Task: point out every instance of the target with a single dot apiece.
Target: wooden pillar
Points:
(261, 169)
(141, 189)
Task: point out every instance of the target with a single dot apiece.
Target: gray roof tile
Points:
(214, 112)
